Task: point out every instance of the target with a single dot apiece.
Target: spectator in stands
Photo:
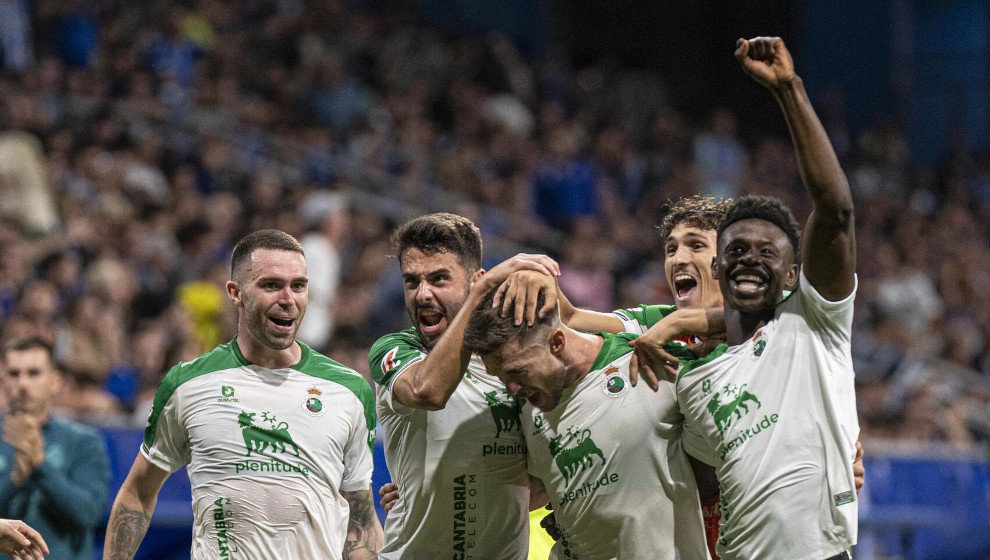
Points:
(53, 473)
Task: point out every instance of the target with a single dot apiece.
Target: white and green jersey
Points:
(610, 457)
(776, 417)
(269, 451)
(461, 471)
(639, 319)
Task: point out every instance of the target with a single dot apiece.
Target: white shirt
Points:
(776, 416)
(269, 451)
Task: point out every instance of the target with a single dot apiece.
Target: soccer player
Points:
(278, 438)
(774, 410)
(54, 473)
(609, 455)
(452, 432)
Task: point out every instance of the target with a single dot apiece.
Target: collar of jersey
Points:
(303, 357)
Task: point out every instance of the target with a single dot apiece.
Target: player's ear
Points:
(557, 342)
(234, 292)
(791, 277)
(714, 268)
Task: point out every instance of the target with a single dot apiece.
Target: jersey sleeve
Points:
(166, 441)
(358, 459)
(389, 358)
(832, 320)
(639, 319)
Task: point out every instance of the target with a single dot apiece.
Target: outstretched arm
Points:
(829, 247)
(132, 509)
(364, 532)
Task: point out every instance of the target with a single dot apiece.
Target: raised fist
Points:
(767, 60)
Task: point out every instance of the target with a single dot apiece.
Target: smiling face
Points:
(435, 286)
(533, 371)
(689, 252)
(755, 264)
(271, 290)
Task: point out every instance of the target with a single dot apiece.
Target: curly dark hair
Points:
(702, 212)
(765, 208)
(441, 233)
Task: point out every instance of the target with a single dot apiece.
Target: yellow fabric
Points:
(540, 542)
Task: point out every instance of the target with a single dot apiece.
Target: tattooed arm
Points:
(364, 532)
(132, 509)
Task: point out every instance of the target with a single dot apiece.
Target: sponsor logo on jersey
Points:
(571, 459)
(312, 404)
(731, 404)
(504, 413)
(265, 441)
(227, 395)
(389, 362)
(540, 424)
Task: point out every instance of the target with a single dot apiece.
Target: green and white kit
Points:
(610, 457)
(776, 416)
(639, 319)
(269, 451)
(461, 471)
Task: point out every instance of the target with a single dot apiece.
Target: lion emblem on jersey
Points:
(259, 438)
(722, 412)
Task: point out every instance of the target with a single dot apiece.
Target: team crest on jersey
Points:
(571, 459)
(731, 404)
(614, 385)
(504, 413)
(539, 424)
(312, 403)
(759, 344)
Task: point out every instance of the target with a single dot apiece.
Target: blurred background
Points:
(141, 139)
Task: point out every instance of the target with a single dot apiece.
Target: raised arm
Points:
(364, 532)
(428, 384)
(132, 509)
(829, 246)
(523, 287)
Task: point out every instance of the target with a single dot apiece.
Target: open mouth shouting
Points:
(685, 286)
(431, 321)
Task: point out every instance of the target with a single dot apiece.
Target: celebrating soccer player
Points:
(774, 409)
(277, 437)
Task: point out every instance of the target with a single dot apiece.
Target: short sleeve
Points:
(166, 441)
(389, 358)
(639, 319)
(831, 319)
(358, 459)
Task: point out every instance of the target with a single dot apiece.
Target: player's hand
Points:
(390, 495)
(21, 541)
(523, 261)
(649, 357)
(766, 60)
(520, 291)
(859, 471)
(549, 524)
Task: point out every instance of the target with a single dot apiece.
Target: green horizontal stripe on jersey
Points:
(647, 315)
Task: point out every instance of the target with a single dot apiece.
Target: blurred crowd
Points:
(141, 139)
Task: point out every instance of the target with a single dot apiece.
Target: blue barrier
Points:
(929, 505)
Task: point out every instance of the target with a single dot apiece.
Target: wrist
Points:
(787, 88)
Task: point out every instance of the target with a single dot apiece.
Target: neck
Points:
(259, 354)
(739, 326)
(580, 351)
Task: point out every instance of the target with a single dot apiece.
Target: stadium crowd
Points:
(134, 154)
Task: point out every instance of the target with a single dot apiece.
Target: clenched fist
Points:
(767, 60)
